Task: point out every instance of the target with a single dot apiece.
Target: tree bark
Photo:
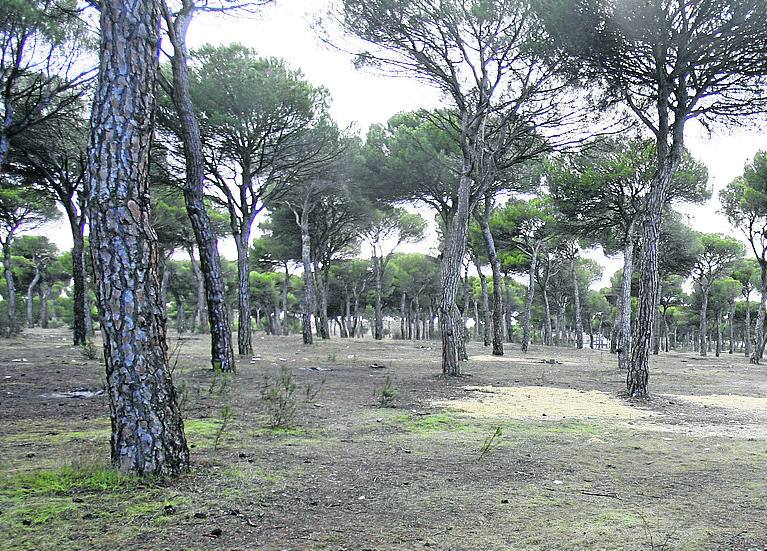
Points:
(756, 354)
(378, 275)
(43, 293)
(718, 348)
(495, 266)
(577, 304)
(530, 292)
(731, 319)
(747, 328)
(487, 326)
(284, 299)
(12, 326)
(244, 330)
(624, 325)
(222, 352)
(31, 297)
(306, 259)
(147, 429)
(507, 309)
(703, 320)
(79, 305)
(199, 312)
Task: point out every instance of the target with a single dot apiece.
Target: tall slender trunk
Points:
(507, 309)
(31, 297)
(244, 330)
(656, 322)
(221, 350)
(718, 332)
(495, 266)
(322, 304)
(43, 293)
(577, 305)
(147, 429)
(530, 292)
(378, 275)
(624, 325)
(199, 312)
(284, 299)
(79, 323)
(747, 327)
(487, 327)
(306, 259)
(402, 317)
(703, 320)
(547, 330)
(180, 313)
(639, 366)
(12, 326)
(731, 319)
(756, 354)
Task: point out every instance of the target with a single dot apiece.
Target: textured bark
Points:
(639, 368)
(147, 430)
(44, 292)
(200, 315)
(306, 258)
(756, 354)
(624, 322)
(530, 293)
(322, 303)
(222, 353)
(244, 330)
(703, 320)
(731, 319)
(79, 305)
(486, 320)
(495, 266)
(548, 334)
(656, 323)
(577, 305)
(747, 329)
(12, 324)
(30, 297)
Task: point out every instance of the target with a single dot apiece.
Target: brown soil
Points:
(519, 454)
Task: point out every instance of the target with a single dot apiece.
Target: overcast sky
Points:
(361, 97)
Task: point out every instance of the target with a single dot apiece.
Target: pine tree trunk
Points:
(731, 319)
(639, 366)
(747, 328)
(200, 309)
(307, 305)
(284, 300)
(703, 320)
(322, 305)
(487, 327)
(244, 330)
(495, 266)
(79, 324)
(718, 349)
(624, 325)
(507, 309)
(180, 314)
(756, 354)
(12, 326)
(656, 323)
(527, 320)
(31, 297)
(577, 305)
(147, 430)
(221, 349)
(548, 338)
(377, 273)
(43, 293)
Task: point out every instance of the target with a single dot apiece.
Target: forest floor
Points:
(518, 454)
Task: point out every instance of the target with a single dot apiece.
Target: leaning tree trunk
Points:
(577, 304)
(244, 331)
(703, 320)
(756, 355)
(147, 429)
(624, 325)
(31, 297)
(526, 321)
(221, 351)
(12, 326)
(639, 366)
(547, 330)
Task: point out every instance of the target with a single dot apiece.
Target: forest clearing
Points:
(517, 454)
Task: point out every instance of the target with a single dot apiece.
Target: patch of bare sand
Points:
(536, 402)
(749, 404)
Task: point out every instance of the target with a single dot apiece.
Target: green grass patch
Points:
(437, 422)
(65, 480)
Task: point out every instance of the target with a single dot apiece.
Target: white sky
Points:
(361, 98)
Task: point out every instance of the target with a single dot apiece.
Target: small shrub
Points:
(491, 442)
(89, 350)
(279, 396)
(387, 394)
